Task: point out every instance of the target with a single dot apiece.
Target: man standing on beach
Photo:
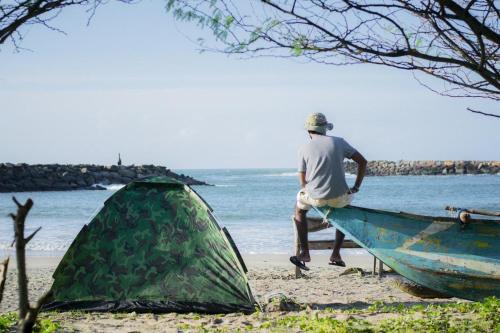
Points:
(322, 181)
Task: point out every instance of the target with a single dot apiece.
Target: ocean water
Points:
(254, 204)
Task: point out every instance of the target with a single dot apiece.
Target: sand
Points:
(270, 275)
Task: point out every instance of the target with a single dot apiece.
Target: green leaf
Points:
(229, 21)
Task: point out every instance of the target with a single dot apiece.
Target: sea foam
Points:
(112, 187)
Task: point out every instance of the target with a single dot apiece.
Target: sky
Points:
(134, 82)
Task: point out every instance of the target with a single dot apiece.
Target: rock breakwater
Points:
(423, 168)
(56, 177)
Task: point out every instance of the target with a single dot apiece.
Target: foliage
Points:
(318, 324)
(459, 317)
(7, 320)
(16, 16)
(456, 317)
(457, 42)
(8, 323)
(454, 41)
(46, 326)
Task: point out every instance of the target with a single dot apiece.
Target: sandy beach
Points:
(271, 277)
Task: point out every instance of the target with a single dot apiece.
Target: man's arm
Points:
(361, 161)
(302, 179)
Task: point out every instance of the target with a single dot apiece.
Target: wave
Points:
(283, 174)
(225, 185)
(41, 246)
(112, 187)
(294, 174)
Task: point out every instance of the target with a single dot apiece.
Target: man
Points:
(322, 181)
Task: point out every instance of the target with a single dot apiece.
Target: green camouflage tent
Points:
(154, 247)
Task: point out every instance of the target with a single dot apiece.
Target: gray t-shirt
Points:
(322, 159)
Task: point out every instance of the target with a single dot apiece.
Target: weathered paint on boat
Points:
(437, 252)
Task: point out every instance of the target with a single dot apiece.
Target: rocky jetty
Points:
(56, 177)
(422, 168)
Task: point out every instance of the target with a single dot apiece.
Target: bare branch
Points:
(15, 16)
(32, 235)
(455, 42)
(27, 313)
(16, 202)
(484, 113)
(22, 279)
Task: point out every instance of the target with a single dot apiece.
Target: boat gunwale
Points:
(418, 216)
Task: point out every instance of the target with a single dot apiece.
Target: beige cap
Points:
(317, 122)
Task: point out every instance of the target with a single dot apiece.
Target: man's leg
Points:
(340, 202)
(339, 239)
(301, 225)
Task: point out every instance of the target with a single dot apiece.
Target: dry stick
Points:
(3, 276)
(26, 324)
(27, 314)
(22, 280)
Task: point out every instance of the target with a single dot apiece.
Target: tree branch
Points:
(22, 279)
(455, 42)
(32, 235)
(484, 113)
(15, 15)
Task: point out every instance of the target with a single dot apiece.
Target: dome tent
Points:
(154, 247)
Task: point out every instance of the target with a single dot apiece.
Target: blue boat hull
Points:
(436, 252)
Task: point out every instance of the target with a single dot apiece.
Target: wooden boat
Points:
(459, 257)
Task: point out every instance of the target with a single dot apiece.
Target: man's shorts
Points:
(305, 202)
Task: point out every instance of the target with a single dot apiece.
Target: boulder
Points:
(127, 173)
(81, 183)
(42, 182)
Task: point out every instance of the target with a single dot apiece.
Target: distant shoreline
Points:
(23, 177)
(427, 168)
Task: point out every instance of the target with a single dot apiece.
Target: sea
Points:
(254, 204)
